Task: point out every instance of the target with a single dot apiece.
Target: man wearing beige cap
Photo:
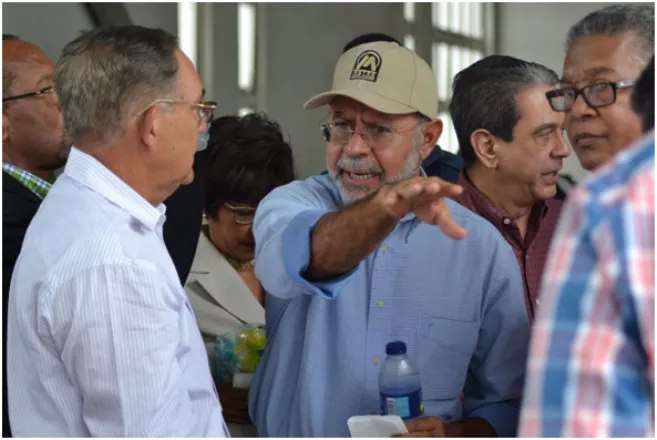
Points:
(375, 252)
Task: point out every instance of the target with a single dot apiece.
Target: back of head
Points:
(643, 98)
(247, 157)
(106, 75)
(484, 97)
(618, 19)
(369, 38)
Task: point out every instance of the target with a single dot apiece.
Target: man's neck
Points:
(129, 170)
(504, 195)
(23, 163)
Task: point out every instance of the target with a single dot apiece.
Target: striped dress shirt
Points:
(591, 370)
(101, 338)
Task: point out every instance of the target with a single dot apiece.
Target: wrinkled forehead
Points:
(534, 108)
(21, 55)
(189, 81)
(605, 57)
(27, 71)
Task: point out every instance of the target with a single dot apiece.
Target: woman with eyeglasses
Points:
(246, 158)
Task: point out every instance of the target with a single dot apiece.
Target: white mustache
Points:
(358, 165)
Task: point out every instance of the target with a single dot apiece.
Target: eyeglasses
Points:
(29, 95)
(341, 133)
(241, 214)
(205, 109)
(596, 95)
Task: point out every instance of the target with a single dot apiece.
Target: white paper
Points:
(376, 426)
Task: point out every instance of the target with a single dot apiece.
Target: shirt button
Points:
(381, 304)
(377, 361)
(506, 221)
(384, 249)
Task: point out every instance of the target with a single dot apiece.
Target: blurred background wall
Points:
(272, 57)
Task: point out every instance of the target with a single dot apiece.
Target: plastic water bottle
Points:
(399, 384)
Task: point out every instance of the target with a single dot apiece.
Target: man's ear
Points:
(150, 126)
(431, 132)
(483, 143)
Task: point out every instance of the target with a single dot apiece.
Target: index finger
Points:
(448, 225)
(429, 187)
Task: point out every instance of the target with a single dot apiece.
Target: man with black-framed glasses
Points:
(606, 52)
(33, 146)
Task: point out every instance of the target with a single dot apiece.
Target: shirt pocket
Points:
(445, 349)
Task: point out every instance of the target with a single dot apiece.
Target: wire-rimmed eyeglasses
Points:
(596, 95)
(340, 133)
(243, 215)
(205, 109)
(43, 91)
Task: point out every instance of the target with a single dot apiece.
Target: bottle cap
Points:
(395, 347)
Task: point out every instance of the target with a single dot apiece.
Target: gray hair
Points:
(616, 19)
(484, 97)
(104, 76)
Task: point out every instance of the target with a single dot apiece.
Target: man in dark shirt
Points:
(184, 220)
(33, 146)
(513, 148)
(439, 163)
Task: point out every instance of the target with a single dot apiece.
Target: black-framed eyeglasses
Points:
(243, 215)
(596, 95)
(44, 91)
(375, 135)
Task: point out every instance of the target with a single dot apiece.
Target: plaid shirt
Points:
(35, 184)
(591, 365)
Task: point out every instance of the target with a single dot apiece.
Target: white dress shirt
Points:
(101, 338)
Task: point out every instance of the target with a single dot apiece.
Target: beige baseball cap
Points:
(386, 77)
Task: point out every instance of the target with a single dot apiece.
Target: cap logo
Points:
(367, 66)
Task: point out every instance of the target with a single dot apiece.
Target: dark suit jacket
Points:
(183, 224)
(19, 205)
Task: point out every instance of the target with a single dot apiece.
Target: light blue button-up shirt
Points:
(458, 305)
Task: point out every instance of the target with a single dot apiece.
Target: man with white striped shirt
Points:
(101, 338)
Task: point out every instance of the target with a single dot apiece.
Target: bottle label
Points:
(408, 406)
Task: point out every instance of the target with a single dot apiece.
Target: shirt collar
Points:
(35, 184)
(486, 208)
(87, 170)
(434, 156)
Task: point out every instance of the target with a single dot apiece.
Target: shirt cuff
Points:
(502, 416)
(296, 255)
